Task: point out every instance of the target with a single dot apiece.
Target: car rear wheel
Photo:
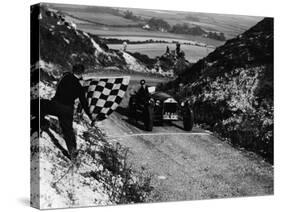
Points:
(188, 118)
(148, 118)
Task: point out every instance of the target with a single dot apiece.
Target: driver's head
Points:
(142, 82)
(78, 69)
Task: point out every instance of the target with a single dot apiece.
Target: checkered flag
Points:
(104, 94)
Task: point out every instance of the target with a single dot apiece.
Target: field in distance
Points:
(230, 25)
(192, 53)
(111, 22)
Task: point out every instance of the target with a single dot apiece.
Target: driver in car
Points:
(142, 93)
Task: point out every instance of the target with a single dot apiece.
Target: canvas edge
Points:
(34, 142)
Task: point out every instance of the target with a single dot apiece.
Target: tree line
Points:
(159, 24)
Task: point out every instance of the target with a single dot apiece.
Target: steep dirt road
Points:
(187, 165)
(190, 165)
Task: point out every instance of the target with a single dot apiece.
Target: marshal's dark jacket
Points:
(69, 89)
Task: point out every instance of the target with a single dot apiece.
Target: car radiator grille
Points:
(170, 107)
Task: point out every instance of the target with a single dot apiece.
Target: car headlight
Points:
(151, 101)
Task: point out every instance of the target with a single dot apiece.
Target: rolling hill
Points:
(230, 25)
(231, 90)
(101, 175)
(62, 45)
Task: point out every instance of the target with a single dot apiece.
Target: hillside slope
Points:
(231, 90)
(102, 175)
(62, 44)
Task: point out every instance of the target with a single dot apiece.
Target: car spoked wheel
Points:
(188, 118)
(148, 118)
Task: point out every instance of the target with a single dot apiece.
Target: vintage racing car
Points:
(160, 107)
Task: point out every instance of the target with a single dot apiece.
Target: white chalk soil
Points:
(63, 184)
(58, 183)
(190, 165)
